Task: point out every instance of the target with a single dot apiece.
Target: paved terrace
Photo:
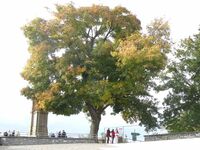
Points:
(180, 144)
(58, 147)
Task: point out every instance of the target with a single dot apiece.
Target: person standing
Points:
(116, 135)
(113, 135)
(108, 135)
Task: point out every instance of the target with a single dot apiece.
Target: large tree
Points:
(182, 104)
(90, 58)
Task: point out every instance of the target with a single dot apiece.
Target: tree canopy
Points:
(90, 58)
(182, 104)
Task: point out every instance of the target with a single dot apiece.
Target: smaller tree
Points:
(182, 104)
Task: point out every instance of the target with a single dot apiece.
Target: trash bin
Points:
(120, 139)
(134, 136)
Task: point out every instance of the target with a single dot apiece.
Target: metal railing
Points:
(50, 135)
(69, 135)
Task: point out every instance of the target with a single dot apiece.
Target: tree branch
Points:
(109, 31)
(102, 109)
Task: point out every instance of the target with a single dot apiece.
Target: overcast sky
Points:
(183, 17)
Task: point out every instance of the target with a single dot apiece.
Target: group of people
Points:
(61, 134)
(112, 136)
(11, 133)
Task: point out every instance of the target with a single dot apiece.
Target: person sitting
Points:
(5, 133)
(53, 135)
(63, 134)
(59, 134)
(13, 133)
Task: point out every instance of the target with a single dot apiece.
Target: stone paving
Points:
(58, 147)
(179, 144)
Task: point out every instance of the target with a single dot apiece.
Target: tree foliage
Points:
(139, 60)
(182, 104)
(90, 58)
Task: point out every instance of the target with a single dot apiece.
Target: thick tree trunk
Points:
(95, 115)
(94, 128)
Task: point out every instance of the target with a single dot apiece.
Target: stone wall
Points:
(171, 136)
(40, 141)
